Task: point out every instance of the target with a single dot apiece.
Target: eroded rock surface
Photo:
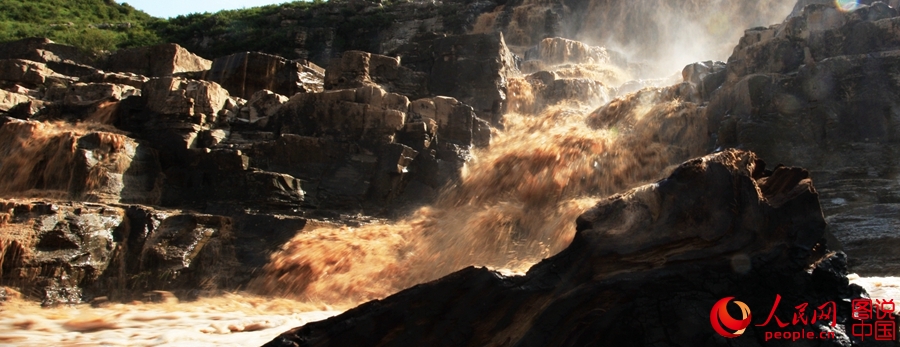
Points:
(357, 69)
(63, 59)
(156, 61)
(820, 90)
(243, 74)
(178, 96)
(474, 69)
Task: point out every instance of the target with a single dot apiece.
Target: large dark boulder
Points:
(645, 268)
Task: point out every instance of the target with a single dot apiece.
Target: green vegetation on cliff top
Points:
(105, 25)
(92, 25)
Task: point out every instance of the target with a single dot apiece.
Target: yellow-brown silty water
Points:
(515, 204)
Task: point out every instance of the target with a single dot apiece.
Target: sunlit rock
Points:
(707, 76)
(363, 114)
(177, 96)
(263, 104)
(53, 249)
(357, 69)
(9, 100)
(66, 252)
(818, 91)
(62, 59)
(27, 72)
(126, 78)
(82, 94)
(156, 61)
(819, 32)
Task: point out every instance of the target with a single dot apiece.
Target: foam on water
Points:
(230, 320)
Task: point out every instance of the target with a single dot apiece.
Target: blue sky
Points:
(172, 8)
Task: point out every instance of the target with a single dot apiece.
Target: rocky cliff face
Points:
(832, 95)
(218, 149)
(665, 36)
(818, 90)
(156, 169)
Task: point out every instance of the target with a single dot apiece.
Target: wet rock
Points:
(243, 74)
(634, 255)
(304, 157)
(185, 253)
(390, 177)
(177, 96)
(93, 166)
(820, 90)
(161, 60)
(547, 89)
(160, 296)
(455, 121)
(336, 174)
(557, 50)
(7, 293)
(707, 76)
(175, 244)
(224, 176)
(100, 301)
(257, 235)
(837, 113)
(357, 69)
(357, 126)
(52, 250)
(63, 253)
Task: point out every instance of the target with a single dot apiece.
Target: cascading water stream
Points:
(515, 204)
